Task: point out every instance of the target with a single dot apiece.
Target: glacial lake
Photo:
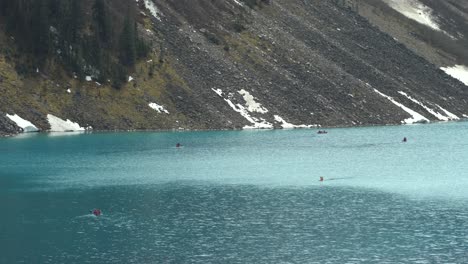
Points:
(237, 196)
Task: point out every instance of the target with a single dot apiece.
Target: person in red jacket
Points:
(97, 212)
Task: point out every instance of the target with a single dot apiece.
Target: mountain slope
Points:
(435, 30)
(233, 64)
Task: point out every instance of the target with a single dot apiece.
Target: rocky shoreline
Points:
(19, 132)
(8, 127)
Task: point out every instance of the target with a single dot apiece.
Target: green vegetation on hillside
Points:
(86, 37)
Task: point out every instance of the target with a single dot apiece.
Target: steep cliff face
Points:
(230, 64)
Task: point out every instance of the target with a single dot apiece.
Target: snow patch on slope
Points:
(459, 72)
(153, 9)
(416, 11)
(24, 124)
(251, 104)
(218, 91)
(287, 125)
(257, 123)
(415, 116)
(431, 111)
(451, 116)
(60, 125)
(158, 108)
(238, 2)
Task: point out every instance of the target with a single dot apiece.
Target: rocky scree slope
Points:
(435, 30)
(231, 64)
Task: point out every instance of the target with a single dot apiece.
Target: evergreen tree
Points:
(40, 28)
(128, 43)
(76, 19)
(55, 30)
(142, 49)
(63, 19)
(102, 22)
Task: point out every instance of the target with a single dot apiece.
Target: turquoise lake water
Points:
(237, 196)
